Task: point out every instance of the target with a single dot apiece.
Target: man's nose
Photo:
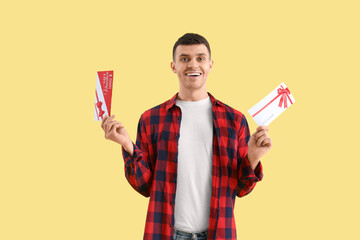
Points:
(192, 63)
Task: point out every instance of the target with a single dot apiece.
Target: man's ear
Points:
(172, 65)
(211, 64)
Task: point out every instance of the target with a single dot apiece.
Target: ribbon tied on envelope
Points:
(284, 93)
(264, 112)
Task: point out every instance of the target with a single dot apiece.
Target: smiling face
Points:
(192, 65)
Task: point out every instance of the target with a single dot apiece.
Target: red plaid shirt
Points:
(152, 169)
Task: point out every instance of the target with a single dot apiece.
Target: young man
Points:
(193, 154)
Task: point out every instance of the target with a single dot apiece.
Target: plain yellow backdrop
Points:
(59, 177)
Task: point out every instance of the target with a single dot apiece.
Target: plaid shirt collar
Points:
(170, 103)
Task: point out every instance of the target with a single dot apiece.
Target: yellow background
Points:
(59, 177)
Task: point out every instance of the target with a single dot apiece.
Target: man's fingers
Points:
(263, 141)
(103, 121)
(109, 126)
(266, 128)
(267, 142)
(260, 134)
(114, 126)
(109, 131)
(107, 121)
(259, 141)
(110, 118)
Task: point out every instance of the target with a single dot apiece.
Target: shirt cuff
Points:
(127, 158)
(259, 171)
(255, 174)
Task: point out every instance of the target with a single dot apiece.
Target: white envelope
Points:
(270, 107)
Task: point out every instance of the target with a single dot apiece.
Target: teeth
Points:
(193, 74)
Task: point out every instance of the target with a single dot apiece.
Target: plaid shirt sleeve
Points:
(138, 169)
(247, 177)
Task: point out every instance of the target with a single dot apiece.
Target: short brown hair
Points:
(190, 39)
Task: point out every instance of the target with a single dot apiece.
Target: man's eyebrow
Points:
(187, 55)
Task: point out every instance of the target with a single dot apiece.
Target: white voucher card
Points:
(270, 107)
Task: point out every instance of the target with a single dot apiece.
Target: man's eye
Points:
(184, 59)
(201, 58)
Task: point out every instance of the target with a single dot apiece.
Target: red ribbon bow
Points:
(101, 112)
(284, 93)
(98, 105)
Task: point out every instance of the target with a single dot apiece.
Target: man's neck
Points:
(192, 95)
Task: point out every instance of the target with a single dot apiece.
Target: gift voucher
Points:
(270, 107)
(103, 92)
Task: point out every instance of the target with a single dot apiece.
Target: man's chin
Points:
(194, 86)
(194, 79)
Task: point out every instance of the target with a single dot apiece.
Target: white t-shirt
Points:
(194, 173)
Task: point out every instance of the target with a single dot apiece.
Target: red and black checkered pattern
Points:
(152, 169)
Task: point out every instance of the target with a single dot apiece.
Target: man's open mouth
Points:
(192, 74)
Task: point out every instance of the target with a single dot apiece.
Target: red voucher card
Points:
(103, 92)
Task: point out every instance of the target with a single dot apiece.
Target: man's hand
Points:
(115, 131)
(259, 143)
